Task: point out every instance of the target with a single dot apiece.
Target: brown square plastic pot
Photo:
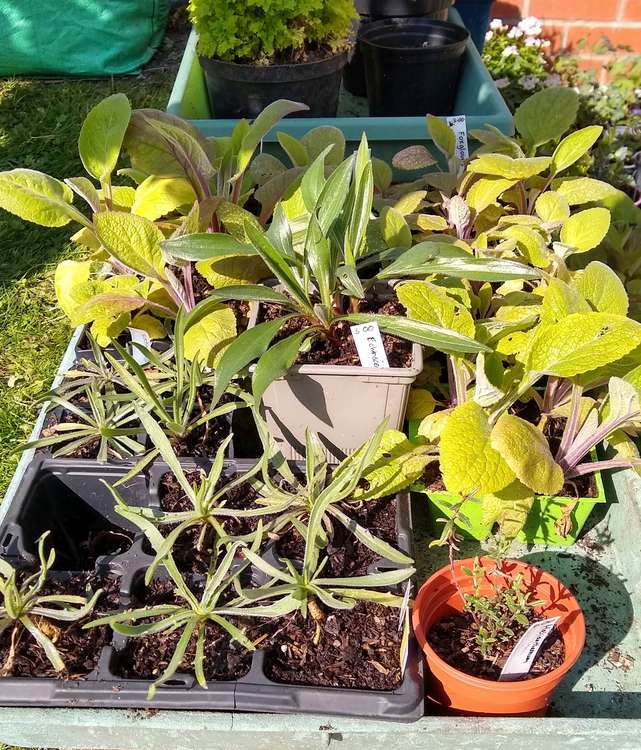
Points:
(342, 404)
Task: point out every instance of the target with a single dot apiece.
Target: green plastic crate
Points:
(478, 99)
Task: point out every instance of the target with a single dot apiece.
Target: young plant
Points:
(319, 277)
(190, 616)
(384, 465)
(111, 424)
(207, 497)
(172, 389)
(180, 188)
(25, 607)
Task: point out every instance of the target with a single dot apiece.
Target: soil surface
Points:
(148, 657)
(453, 639)
(339, 347)
(205, 439)
(356, 648)
(80, 649)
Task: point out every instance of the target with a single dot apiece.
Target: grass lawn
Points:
(39, 125)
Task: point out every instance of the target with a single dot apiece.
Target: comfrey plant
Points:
(25, 607)
(181, 186)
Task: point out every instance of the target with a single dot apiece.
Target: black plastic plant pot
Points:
(412, 65)
(236, 90)
(72, 502)
(375, 10)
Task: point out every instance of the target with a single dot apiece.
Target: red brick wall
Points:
(569, 21)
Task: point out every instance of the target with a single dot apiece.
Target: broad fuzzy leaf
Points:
(442, 135)
(102, 134)
(552, 207)
(413, 157)
(526, 451)
(501, 165)
(232, 270)
(586, 229)
(36, 197)
(485, 191)
(560, 300)
(574, 146)
(210, 336)
(581, 342)
(530, 243)
(578, 190)
(420, 404)
(316, 140)
(546, 115)
(70, 274)
(133, 240)
(508, 507)
(469, 463)
(159, 196)
(602, 288)
(430, 304)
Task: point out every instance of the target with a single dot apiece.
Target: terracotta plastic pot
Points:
(462, 692)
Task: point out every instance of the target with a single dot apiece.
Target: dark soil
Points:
(453, 639)
(339, 348)
(346, 555)
(148, 657)
(204, 440)
(80, 649)
(358, 648)
(307, 54)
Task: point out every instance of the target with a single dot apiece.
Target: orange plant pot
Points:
(453, 689)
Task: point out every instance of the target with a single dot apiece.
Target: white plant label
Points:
(524, 654)
(369, 345)
(458, 124)
(138, 336)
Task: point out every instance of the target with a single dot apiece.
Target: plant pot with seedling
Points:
(498, 636)
(251, 60)
(326, 284)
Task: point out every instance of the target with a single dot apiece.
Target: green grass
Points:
(39, 126)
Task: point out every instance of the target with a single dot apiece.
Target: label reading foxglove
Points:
(524, 654)
(138, 336)
(369, 345)
(458, 124)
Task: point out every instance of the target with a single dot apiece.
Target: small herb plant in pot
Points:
(254, 53)
(318, 267)
(469, 616)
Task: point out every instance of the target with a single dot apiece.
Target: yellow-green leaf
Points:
(105, 329)
(152, 326)
(546, 115)
(560, 300)
(581, 342)
(531, 244)
(208, 339)
(133, 240)
(70, 274)
(602, 288)
(102, 134)
(574, 146)
(395, 229)
(421, 403)
(526, 451)
(505, 166)
(442, 135)
(552, 207)
(431, 223)
(469, 463)
(159, 196)
(431, 304)
(410, 202)
(232, 270)
(586, 229)
(36, 197)
(508, 507)
(485, 192)
(578, 190)
(432, 425)
(234, 218)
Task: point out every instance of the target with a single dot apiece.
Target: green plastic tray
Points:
(478, 99)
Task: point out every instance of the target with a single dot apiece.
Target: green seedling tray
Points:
(478, 99)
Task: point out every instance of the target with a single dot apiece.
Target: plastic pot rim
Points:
(450, 46)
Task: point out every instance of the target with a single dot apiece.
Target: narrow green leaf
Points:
(277, 360)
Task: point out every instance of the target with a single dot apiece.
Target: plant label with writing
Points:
(458, 124)
(369, 345)
(524, 654)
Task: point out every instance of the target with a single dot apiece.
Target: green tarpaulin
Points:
(79, 37)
